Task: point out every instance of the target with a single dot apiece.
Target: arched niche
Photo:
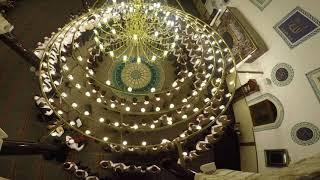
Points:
(274, 108)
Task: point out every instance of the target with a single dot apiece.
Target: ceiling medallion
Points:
(282, 74)
(305, 133)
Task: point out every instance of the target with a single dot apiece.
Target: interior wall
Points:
(299, 101)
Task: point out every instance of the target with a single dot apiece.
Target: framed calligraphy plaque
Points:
(242, 39)
(297, 27)
(314, 79)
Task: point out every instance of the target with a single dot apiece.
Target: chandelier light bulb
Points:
(143, 110)
(88, 93)
(80, 58)
(135, 126)
(74, 105)
(153, 58)
(78, 86)
(99, 100)
(171, 106)
(125, 58)
(113, 31)
(152, 126)
(108, 82)
(163, 141)
(135, 37)
(88, 132)
(127, 108)
(157, 109)
(143, 143)
(111, 53)
(138, 60)
(130, 89)
(153, 89)
(86, 113)
(124, 143)
(65, 67)
(105, 139)
(72, 123)
(116, 124)
(63, 94)
(101, 120)
(112, 105)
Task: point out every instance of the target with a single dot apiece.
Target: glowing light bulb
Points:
(116, 124)
(135, 126)
(101, 120)
(86, 113)
(125, 58)
(135, 37)
(111, 53)
(130, 89)
(157, 109)
(74, 105)
(80, 58)
(99, 100)
(105, 139)
(139, 60)
(124, 143)
(152, 126)
(108, 82)
(78, 86)
(143, 110)
(63, 94)
(143, 143)
(88, 93)
(171, 106)
(112, 105)
(88, 132)
(128, 108)
(72, 123)
(153, 58)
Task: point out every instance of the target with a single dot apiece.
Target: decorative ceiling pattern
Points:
(282, 74)
(261, 4)
(305, 133)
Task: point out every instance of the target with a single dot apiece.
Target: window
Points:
(276, 158)
(264, 112)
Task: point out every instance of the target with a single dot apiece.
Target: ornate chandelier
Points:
(142, 77)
